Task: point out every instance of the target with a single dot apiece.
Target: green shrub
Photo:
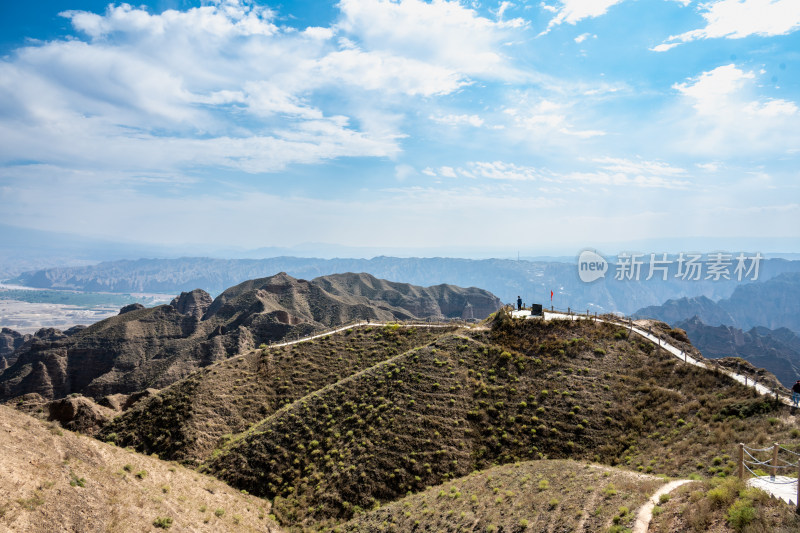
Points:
(163, 522)
(741, 513)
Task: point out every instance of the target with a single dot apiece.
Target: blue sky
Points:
(540, 127)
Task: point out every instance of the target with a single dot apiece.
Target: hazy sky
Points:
(532, 126)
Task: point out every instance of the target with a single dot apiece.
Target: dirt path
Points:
(645, 514)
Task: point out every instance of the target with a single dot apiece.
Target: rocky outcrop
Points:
(11, 341)
(194, 303)
(131, 307)
(79, 414)
(73, 330)
(154, 347)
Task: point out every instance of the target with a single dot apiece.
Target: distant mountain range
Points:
(777, 351)
(153, 347)
(759, 322)
(532, 280)
(773, 304)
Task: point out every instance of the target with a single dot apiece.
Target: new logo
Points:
(591, 266)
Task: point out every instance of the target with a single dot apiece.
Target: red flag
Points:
(551, 296)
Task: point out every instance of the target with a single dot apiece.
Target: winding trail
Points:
(645, 514)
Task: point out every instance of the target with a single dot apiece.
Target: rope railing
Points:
(774, 464)
(790, 451)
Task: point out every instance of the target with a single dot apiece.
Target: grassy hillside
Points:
(525, 390)
(188, 419)
(55, 480)
(549, 495)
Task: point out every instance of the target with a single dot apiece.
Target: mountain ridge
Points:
(153, 347)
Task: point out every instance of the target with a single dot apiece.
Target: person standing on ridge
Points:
(519, 303)
(796, 393)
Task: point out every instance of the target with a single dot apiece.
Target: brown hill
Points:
(57, 481)
(465, 402)
(154, 347)
(188, 419)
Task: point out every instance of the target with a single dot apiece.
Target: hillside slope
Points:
(525, 390)
(153, 347)
(54, 480)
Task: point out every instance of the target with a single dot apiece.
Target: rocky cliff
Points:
(11, 341)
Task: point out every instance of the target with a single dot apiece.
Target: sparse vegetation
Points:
(163, 522)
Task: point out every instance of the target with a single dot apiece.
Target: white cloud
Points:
(729, 117)
(771, 108)
(583, 36)
(381, 71)
(710, 91)
(709, 167)
(445, 33)
(628, 166)
(499, 170)
(545, 118)
(606, 171)
(447, 172)
(663, 47)
(428, 171)
(736, 19)
(222, 85)
(458, 120)
(719, 91)
(502, 9)
(572, 11)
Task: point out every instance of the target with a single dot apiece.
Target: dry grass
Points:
(531, 496)
(54, 480)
